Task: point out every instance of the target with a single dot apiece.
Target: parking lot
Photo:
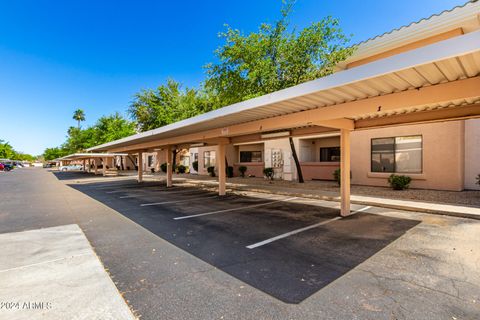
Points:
(184, 252)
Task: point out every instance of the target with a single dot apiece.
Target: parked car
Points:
(71, 167)
(2, 167)
(6, 167)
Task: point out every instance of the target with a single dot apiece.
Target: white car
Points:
(72, 167)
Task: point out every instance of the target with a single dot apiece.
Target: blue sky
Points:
(56, 56)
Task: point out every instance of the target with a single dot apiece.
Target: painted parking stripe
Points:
(154, 194)
(233, 209)
(140, 189)
(177, 201)
(264, 242)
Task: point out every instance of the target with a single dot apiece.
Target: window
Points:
(397, 155)
(330, 154)
(208, 159)
(250, 156)
(150, 161)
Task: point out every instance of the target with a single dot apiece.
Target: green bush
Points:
(242, 170)
(399, 182)
(336, 176)
(229, 172)
(268, 172)
(211, 170)
(195, 165)
(163, 167)
(181, 168)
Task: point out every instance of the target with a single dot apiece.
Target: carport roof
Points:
(446, 61)
(79, 156)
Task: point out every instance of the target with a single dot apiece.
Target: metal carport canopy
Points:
(437, 82)
(440, 75)
(81, 156)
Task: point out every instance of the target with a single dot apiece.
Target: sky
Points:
(57, 56)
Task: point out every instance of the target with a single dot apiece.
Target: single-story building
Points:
(408, 101)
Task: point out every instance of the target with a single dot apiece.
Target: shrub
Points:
(268, 172)
(195, 165)
(478, 179)
(399, 182)
(211, 170)
(181, 168)
(229, 172)
(242, 170)
(336, 176)
(163, 167)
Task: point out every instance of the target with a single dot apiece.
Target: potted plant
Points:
(269, 173)
(211, 171)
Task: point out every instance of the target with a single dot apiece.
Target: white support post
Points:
(345, 172)
(222, 176)
(104, 165)
(140, 167)
(169, 159)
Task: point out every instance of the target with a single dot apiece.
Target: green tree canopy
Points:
(106, 129)
(274, 58)
(167, 104)
(8, 152)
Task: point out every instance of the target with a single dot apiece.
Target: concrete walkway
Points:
(53, 273)
(418, 206)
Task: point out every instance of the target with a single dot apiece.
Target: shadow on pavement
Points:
(291, 269)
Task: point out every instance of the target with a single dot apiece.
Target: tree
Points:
(54, 153)
(79, 115)
(106, 129)
(6, 150)
(274, 58)
(167, 104)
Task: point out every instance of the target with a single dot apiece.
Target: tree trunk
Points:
(133, 162)
(297, 163)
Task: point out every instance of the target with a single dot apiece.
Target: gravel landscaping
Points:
(330, 188)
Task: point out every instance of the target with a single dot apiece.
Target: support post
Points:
(84, 165)
(345, 172)
(222, 176)
(95, 162)
(169, 160)
(140, 167)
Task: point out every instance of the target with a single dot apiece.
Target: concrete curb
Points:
(383, 203)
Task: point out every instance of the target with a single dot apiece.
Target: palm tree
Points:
(79, 115)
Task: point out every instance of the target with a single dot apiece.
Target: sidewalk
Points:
(419, 206)
(53, 273)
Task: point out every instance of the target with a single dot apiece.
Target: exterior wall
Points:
(287, 171)
(309, 155)
(472, 153)
(443, 155)
(253, 168)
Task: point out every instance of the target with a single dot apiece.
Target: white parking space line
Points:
(163, 193)
(153, 188)
(264, 242)
(177, 201)
(233, 209)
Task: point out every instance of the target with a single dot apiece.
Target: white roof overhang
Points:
(447, 61)
(81, 156)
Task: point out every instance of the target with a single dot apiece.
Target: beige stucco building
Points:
(440, 155)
